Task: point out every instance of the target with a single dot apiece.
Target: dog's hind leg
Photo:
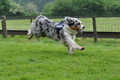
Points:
(30, 36)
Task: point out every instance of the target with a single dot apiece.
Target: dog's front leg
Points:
(70, 50)
(71, 44)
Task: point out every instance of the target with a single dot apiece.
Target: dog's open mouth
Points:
(79, 30)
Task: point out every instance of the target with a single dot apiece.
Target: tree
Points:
(31, 9)
(75, 8)
(115, 8)
(67, 7)
(89, 7)
(4, 7)
(60, 8)
(16, 9)
(112, 7)
(39, 3)
(48, 9)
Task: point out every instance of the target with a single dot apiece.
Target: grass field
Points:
(103, 24)
(21, 59)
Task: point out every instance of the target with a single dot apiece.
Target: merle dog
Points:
(63, 32)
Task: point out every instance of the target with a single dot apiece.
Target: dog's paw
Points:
(82, 48)
(70, 52)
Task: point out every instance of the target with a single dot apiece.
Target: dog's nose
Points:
(83, 27)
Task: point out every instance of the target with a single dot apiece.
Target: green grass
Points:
(21, 59)
(103, 24)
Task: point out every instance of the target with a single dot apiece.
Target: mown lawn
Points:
(21, 59)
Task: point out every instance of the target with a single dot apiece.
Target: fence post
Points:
(4, 28)
(30, 18)
(94, 29)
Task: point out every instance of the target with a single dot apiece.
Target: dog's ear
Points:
(68, 20)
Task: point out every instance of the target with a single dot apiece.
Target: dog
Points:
(63, 32)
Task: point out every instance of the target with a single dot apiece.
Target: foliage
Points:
(73, 7)
(115, 7)
(4, 7)
(40, 3)
(89, 7)
(59, 8)
(10, 8)
(83, 8)
(112, 7)
(31, 9)
(48, 9)
(21, 59)
(16, 9)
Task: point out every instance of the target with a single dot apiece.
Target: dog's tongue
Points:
(79, 30)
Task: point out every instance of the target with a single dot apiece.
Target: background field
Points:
(103, 24)
(21, 59)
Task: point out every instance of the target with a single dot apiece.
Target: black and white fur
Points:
(43, 27)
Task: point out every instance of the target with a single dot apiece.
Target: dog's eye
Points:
(71, 24)
(79, 23)
(76, 21)
(70, 21)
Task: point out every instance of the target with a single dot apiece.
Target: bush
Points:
(82, 8)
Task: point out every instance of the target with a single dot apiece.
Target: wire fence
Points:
(107, 27)
(110, 24)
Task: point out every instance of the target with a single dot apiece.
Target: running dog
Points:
(64, 32)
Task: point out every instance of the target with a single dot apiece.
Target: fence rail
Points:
(85, 34)
(100, 34)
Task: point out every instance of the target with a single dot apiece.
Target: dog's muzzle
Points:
(80, 30)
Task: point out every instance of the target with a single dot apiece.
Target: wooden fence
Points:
(4, 28)
(86, 34)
